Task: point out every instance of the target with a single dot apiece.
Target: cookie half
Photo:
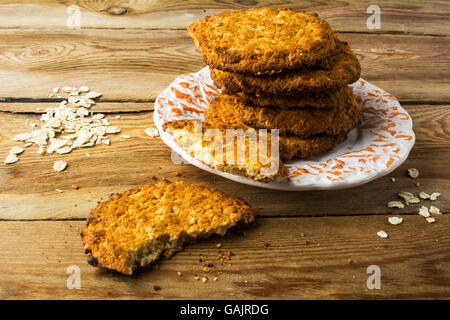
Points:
(134, 228)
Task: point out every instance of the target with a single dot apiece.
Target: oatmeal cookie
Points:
(341, 69)
(134, 228)
(263, 40)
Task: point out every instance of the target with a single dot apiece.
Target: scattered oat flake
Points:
(28, 144)
(204, 279)
(395, 220)
(113, 129)
(424, 195)
(11, 158)
(152, 132)
(413, 173)
(392, 179)
(435, 210)
(55, 90)
(423, 211)
(118, 117)
(413, 200)
(405, 195)
(16, 150)
(434, 196)
(395, 204)
(59, 190)
(22, 136)
(93, 95)
(64, 150)
(68, 125)
(69, 89)
(59, 165)
(382, 234)
(431, 220)
(125, 136)
(84, 89)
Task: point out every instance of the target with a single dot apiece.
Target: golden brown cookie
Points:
(294, 148)
(228, 111)
(324, 99)
(263, 40)
(341, 69)
(134, 228)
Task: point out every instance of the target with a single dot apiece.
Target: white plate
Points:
(377, 147)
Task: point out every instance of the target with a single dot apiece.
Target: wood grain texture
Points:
(137, 65)
(27, 188)
(271, 262)
(421, 17)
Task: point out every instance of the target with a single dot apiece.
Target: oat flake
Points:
(395, 220)
(59, 165)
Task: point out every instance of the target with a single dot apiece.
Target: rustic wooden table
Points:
(130, 51)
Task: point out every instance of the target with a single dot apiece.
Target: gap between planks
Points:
(30, 106)
(257, 216)
(394, 33)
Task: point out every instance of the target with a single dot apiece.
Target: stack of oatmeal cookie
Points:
(280, 69)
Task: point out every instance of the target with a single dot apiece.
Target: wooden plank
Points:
(271, 262)
(27, 188)
(123, 65)
(423, 17)
(39, 107)
(137, 65)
